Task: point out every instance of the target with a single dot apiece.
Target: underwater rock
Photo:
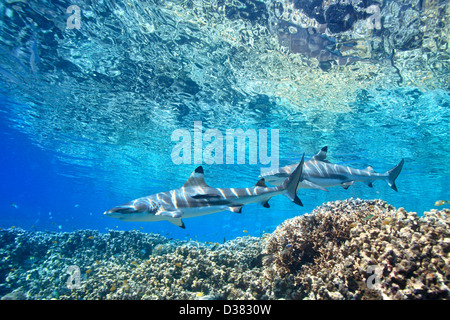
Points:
(124, 265)
(17, 294)
(357, 249)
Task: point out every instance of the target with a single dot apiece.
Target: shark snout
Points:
(121, 209)
(127, 208)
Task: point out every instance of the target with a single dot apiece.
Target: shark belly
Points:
(276, 181)
(142, 217)
(201, 211)
(327, 182)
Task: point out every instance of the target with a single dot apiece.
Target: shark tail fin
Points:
(393, 174)
(291, 183)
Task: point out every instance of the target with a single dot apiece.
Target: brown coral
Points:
(352, 249)
(333, 252)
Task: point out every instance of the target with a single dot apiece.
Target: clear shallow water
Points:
(87, 114)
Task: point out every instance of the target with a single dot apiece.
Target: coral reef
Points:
(352, 249)
(357, 249)
(184, 270)
(124, 265)
(35, 263)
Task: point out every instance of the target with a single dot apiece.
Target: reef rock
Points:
(351, 249)
(357, 249)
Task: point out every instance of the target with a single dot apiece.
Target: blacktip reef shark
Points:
(319, 173)
(196, 198)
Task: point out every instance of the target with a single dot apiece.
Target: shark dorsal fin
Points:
(196, 179)
(261, 183)
(321, 155)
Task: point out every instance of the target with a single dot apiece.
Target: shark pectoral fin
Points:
(265, 204)
(347, 185)
(370, 183)
(236, 209)
(313, 185)
(178, 222)
(170, 214)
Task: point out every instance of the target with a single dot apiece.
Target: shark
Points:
(196, 198)
(319, 173)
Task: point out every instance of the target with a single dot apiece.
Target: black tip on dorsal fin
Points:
(321, 155)
(199, 169)
(261, 183)
(196, 178)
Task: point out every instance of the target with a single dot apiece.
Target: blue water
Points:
(86, 115)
